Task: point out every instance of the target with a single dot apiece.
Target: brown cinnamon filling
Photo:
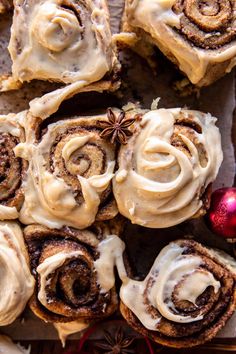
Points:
(208, 24)
(87, 161)
(73, 7)
(10, 168)
(188, 127)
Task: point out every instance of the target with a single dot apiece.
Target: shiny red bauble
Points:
(222, 214)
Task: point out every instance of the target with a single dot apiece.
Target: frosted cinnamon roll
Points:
(166, 167)
(8, 347)
(185, 299)
(17, 283)
(63, 263)
(198, 36)
(66, 41)
(11, 167)
(68, 181)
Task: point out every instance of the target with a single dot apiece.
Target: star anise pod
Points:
(117, 127)
(119, 344)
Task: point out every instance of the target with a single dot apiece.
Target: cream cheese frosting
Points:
(17, 283)
(65, 41)
(66, 329)
(8, 347)
(157, 184)
(110, 255)
(50, 199)
(157, 18)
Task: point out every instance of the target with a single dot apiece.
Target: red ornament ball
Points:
(222, 213)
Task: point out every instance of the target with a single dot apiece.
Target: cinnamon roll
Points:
(63, 263)
(8, 347)
(11, 167)
(198, 36)
(68, 181)
(170, 308)
(66, 41)
(167, 167)
(17, 283)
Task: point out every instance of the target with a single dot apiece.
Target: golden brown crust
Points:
(144, 45)
(183, 343)
(72, 292)
(217, 308)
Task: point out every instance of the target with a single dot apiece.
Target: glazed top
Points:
(61, 41)
(163, 172)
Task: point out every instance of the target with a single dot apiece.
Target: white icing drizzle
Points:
(66, 329)
(48, 198)
(17, 283)
(49, 266)
(72, 145)
(111, 254)
(157, 18)
(58, 44)
(8, 347)
(8, 125)
(157, 185)
(8, 213)
(49, 103)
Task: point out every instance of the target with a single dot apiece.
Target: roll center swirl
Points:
(208, 24)
(209, 15)
(56, 28)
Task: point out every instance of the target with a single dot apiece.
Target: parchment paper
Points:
(139, 84)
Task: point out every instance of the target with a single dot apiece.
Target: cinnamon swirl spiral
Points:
(186, 298)
(207, 24)
(166, 167)
(68, 181)
(63, 263)
(198, 36)
(66, 41)
(11, 168)
(17, 283)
